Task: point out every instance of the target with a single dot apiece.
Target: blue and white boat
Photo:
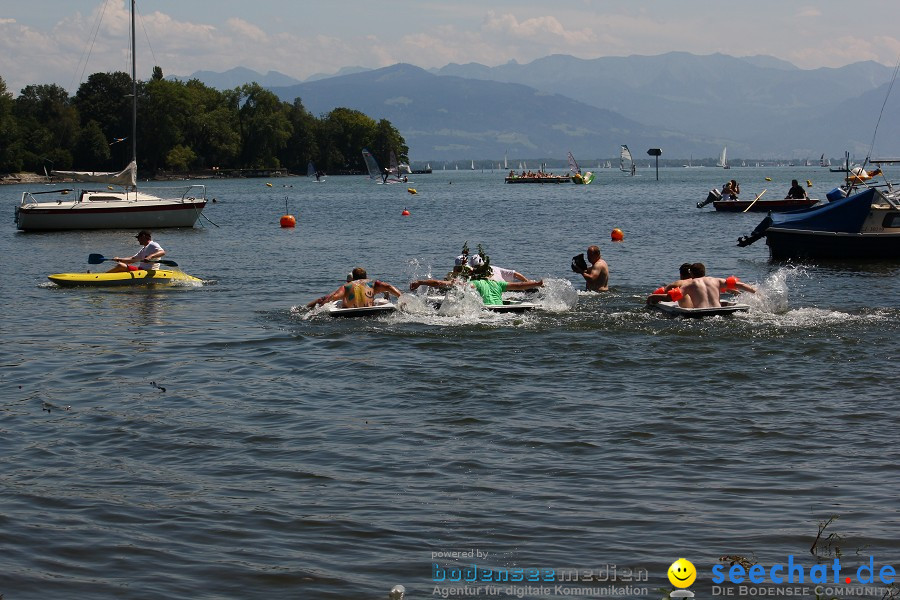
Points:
(865, 225)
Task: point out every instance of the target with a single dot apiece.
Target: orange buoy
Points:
(405, 213)
(617, 235)
(288, 221)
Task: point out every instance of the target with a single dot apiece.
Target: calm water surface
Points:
(222, 442)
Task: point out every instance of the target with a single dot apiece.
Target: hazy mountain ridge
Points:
(759, 106)
(445, 117)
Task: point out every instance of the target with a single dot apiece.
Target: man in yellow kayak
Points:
(149, 251)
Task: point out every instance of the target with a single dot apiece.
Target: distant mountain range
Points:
(760, 107)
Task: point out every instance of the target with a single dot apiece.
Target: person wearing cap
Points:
(497, 273)
(358, 292)
(149, 251)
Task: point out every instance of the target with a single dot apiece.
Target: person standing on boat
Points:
(358, 292)
(149, 251)
(704, 292)
(796, 192)
(596, 277)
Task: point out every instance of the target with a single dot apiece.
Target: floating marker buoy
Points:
(268, 185)
(768, 179)
(288, 221)
(808, 183)
(412, 190)
(617, 235)
(405, 213)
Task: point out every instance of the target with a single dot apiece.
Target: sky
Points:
(53, 41)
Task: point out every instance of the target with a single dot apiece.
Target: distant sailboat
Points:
(723, 162)
(473, 165)
(505, 156)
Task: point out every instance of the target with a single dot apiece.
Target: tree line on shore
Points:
(181, 127)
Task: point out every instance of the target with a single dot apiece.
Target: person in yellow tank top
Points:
(358, 292)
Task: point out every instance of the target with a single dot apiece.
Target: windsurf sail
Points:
(573, 166)
(375, 173)
(626, 163)
(310, 170)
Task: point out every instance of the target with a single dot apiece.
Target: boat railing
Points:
(29, 197)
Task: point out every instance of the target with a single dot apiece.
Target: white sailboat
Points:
(723, 161)
(473, 165)
(109, 209)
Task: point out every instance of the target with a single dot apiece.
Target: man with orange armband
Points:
(703, 291)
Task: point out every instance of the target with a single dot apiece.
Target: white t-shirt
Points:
(501, 274)
(151, 248)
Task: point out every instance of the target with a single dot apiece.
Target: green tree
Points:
(163, 109)
(180, 158)
(91, 148)
(388, 139)
(10, 149)
(46, 113)
(211, 127)
(106, 99)
(264, 127)
(302, 146)
(345, 132)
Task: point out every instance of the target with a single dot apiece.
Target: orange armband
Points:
(660, 290)
(731, 282)
(675, 294)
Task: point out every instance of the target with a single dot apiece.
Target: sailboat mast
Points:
(133, 90)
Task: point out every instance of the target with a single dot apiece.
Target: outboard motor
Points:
(714, 196)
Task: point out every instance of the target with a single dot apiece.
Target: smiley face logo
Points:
(682, 573)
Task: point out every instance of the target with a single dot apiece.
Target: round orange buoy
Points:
(405, 213)
(288, 221)
(617, 235)
(412, 190)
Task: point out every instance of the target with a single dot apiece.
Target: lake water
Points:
(220, 442)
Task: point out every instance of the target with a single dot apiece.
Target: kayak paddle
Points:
(96, 259)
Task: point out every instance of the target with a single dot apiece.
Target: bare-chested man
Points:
(684, 274)
(596, 277)
(703, 291)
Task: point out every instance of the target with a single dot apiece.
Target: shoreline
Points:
(35, 178)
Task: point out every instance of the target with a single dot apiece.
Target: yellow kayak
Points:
(141, 277)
